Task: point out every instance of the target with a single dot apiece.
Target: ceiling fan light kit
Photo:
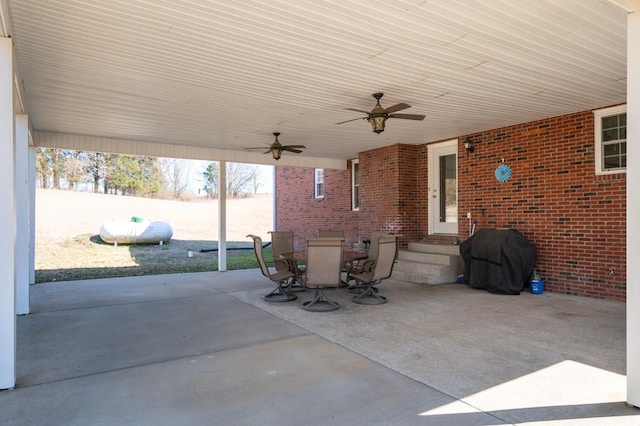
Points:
(276, 149)
(377, 122)
(378, 116)
(277, 153)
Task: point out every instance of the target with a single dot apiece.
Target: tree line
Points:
(140, 176)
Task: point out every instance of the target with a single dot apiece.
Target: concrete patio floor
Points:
(205, 349)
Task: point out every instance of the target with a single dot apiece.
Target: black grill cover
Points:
(498, 260)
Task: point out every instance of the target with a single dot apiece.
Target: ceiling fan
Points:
(276, 148)
(378, 115)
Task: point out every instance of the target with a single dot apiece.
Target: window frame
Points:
(355, 185)
(598, 116)
(318, 187)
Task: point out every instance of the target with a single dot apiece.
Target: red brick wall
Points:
(575, 218)
(388, 191)
(299, 211)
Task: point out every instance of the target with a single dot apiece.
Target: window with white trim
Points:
(610, 138)
(319, 183)
(355, 185)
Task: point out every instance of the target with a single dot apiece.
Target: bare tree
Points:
(96, 168)
(255, 181)
(76, 165)
(240, 179)
(51, 164)
(58, 164)
(42, 167)
(176, 172)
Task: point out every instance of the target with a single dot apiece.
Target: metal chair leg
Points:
(280, 294)
(320, 303)
(369, 296)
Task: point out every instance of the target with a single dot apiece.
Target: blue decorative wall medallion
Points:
(503, 173)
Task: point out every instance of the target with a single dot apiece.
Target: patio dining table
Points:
(295, 258)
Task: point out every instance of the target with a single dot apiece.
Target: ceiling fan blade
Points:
(407, 116)
(256, 147)
(353, 119)
(267, 151)
(293, 146)
(288, 148)
(397, 107)
(359, 110)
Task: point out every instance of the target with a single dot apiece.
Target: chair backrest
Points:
(373, 246)
(324, 262)
(257, 248)
(281, 242)
(330, 233)
(387, 252)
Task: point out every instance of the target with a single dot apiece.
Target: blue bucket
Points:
(536, 286)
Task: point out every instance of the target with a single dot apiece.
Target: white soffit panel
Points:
(225, 75)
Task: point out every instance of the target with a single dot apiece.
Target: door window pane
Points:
(448, 190)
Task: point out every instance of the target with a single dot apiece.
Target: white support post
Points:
(32, 214)
(7, 220)
(222, 216)
(22, 219)
(633, 206)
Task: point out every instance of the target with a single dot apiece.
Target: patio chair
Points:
(372, 255)
(376, 271)
(323, 271)
(281, 278)
(335, 233)
(282, 242)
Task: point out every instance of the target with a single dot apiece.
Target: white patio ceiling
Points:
(226, 74)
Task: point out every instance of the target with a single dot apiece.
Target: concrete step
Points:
(416, 272)
(425, 263)
(434, 248)
(424, 257)
(431, 279)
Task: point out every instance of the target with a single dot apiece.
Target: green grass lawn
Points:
(101, 260)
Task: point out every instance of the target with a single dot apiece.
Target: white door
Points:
(443, 188)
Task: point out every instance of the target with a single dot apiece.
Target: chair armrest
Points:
(281, 264)
(365, 265)
(369, 265)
